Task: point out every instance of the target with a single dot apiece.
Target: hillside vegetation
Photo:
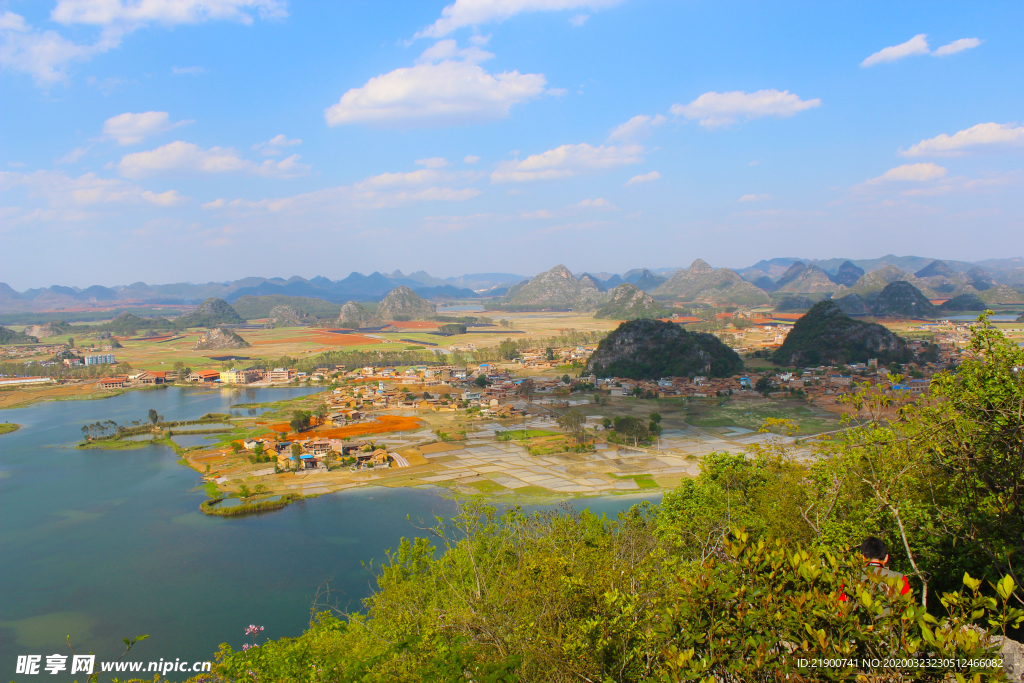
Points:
(210, 313)
(250, 307)
(901, 299)
(402, 303)
(827, 335)
(739, 575)
(703, 284)
(555, 289)
(220, 338)
(629, 302)
(651, 349)
(9, 336)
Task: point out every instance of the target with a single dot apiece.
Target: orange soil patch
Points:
(345, 339)
(380, 425)
(413, 325)
(316, 338)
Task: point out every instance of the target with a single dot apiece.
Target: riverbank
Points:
(8, 427)
(22, 397)
(84, 538)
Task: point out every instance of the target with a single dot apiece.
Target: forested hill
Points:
(827, 335)
(9, 336)
(651, 349)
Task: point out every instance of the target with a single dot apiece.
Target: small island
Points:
(8, 427)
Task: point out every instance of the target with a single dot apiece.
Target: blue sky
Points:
(173, 140)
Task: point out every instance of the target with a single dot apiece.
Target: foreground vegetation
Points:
(739, 575)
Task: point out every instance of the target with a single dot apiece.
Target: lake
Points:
(462, 308)
(106, 544)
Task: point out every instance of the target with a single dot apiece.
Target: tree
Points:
(243, 492)
(301, 420)
(71, 342)
(508, 349)
(322, 411)
(566, 379)
(258, 450)
(297, 455)
(154, 417)
(763, 386)
(655, 417)
(526, 389)
(480, 381)
(235, 447)
(572, 422)
(631, 427)
(549, 354)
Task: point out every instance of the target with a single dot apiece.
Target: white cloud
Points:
(134, 13)
(168, 198)
(332, 200)
(426, 176)
(433, 162)
(755, 197)
(46, 55)
(131, 129)
(957, 46)
(445, 87)
(463, 13)
(645, 178)
(471, 159)
(598, 203)
(720, 109)
(636, 128)
(910, 172)
(62, 191)
(983, 135)
(385, 190)
(73, 156)
(566, 161)
(578, 20)
(185, 70)
(186, 157)
(918, 45)
(275, 145)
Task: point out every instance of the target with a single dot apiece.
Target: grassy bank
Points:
(211, 507)
(8, 427)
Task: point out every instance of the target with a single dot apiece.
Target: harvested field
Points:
(319, 338)
(29, 395)
(413, 325)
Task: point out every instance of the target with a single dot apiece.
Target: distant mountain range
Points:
(992, 279)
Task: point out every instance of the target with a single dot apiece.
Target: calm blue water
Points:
(461, 308)
(101, 545)
(994, 318)
(190, 440)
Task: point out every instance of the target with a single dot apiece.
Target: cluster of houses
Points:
(100, 359)
(143, 378)
(319, 454)
(824, 383)
(244, 376)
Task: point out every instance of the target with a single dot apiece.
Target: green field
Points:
(752, 416)
(519, 434)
